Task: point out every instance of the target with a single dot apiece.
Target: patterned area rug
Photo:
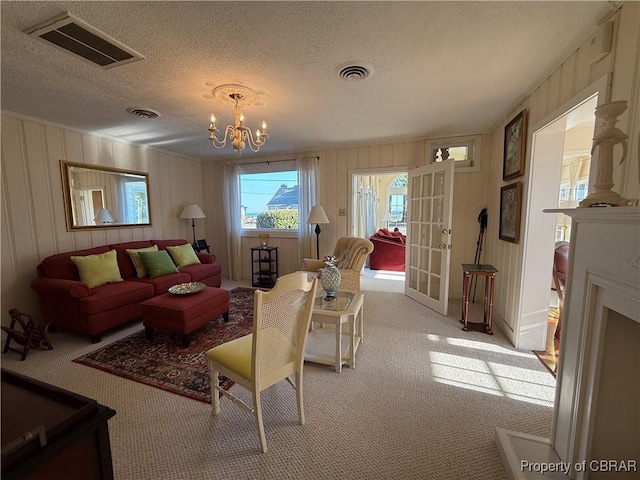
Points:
(164, 363)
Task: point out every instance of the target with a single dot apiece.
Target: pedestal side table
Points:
(469, 271)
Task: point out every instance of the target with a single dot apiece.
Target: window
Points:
(269, 199)
(579, 192)
(398, 203)
(464, 150)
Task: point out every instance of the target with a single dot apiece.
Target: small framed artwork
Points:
(510, 206)
(515, 140)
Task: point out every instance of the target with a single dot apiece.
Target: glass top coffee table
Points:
(327, 342)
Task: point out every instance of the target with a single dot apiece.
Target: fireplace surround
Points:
(596, 418)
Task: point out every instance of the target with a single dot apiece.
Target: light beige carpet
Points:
(423, 402)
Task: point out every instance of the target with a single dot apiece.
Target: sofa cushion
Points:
(61, 266)
(201, 271)
(96, 270)
(162, 284)
(183, 255)
(162, 244)
(157, 263)
(141, 270)
(114, 295)
(127, 268)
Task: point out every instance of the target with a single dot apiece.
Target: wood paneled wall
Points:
(33, 222)
(335, 168)
(574, 75)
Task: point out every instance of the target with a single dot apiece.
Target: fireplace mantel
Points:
(596, 410)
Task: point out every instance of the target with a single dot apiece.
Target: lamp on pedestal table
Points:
(317, 216)
(192, 211)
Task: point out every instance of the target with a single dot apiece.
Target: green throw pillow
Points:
(183, 255)
(96, 270)
(157, 263)
(141, 271)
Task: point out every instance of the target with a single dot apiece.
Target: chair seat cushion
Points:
(234, 356)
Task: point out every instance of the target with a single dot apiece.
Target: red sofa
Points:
(388, 251)
(69, 304)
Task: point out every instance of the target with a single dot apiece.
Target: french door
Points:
(428, 252)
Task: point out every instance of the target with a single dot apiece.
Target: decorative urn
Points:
(330, 277)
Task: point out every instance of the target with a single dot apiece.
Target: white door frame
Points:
(539, 228)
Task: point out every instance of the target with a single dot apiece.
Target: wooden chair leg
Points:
(215, 395)
(299, 397)
(257, 411)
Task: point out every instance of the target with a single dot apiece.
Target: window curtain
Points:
(366, 206)
(231, 199)
(308, 193)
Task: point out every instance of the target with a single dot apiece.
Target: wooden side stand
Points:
(28, 331)
(470, 270)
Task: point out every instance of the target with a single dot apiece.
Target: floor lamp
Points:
(387, 218)
(317, 216)
(192, 211)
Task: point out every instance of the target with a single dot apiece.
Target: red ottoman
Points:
(183, 314)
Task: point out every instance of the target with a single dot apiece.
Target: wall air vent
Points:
(75, 36)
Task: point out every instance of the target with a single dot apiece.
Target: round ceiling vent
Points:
(143, 112)
(352, 72)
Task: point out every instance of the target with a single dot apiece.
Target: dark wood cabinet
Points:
(264, 266)
(51, 433)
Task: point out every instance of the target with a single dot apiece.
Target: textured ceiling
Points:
(439, 68)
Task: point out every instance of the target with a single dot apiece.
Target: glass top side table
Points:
(327, 342)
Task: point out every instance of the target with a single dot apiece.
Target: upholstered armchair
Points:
(350, 253)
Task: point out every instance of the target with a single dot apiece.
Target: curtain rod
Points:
(270, 161)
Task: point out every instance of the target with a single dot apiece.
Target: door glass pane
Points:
(423, 286)
(436, 236)
(424, 259)
(424, 234)
(415, 210)
(434, 288)
(426, 210)
(413, 278)
(416, 187)
(415, 252)
(414, 238)
(438, 184)
(438, 205)
(436, 259)
(426, 185)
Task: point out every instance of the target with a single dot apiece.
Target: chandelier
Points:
(239, 134)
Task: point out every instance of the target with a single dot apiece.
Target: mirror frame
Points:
(65, 172)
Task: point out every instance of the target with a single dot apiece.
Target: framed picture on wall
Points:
(515, 140)
(510, 206)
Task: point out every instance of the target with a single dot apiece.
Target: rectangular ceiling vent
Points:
(75, 36)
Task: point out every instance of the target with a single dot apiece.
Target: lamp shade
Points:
(103, 217)
(387, 217)
(317, 215)
(192, 211)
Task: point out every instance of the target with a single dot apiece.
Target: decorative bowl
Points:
(187, 288)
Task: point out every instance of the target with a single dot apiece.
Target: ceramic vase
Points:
(330, 278)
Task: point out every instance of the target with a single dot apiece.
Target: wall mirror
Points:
(96, 196)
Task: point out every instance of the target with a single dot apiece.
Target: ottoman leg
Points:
(185, 341)
(148, 332)
(225, 316)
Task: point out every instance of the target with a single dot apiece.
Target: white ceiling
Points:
(440, 68)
